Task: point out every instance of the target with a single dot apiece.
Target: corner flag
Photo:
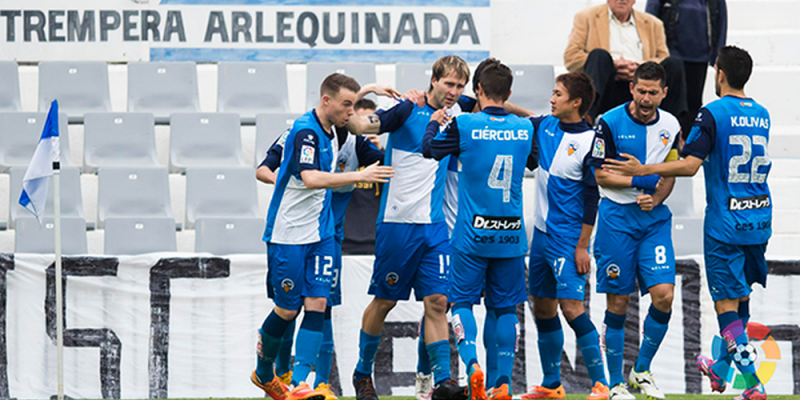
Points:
(37, 177)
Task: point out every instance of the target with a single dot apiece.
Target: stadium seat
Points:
(132, 192)
(222, 236)
(79, 87)
(220, 192)
(268, 128)
(681, 200)
(139, 235)
(364, 73)
(163, 88)
(19, 136)
(30, 237)
(204, 140)
(533, 87)
(249, 88)
(71, 198)
(119, 140)
(9, 90)
(413, 76)
(687, 236)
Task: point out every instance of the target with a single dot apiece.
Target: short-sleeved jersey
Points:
(620, 132)
(493, 148)
(565, 152)
(297, 214)
(731, 135)
(416, 192)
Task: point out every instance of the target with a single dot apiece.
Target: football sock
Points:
(367, 348)
(655, 328)
(439, 353)
(744, 312)
(270, 336)
(589, 343)
(615, 346)
(423, 362)
(283, 363)
(732, 330)
(551, 343)
(310, 336)
(490, 343)
(507, 324)
(322, 367)
(464, 323)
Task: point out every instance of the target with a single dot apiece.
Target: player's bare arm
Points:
(361, 125)
(611, 180)
(633, 167)
(379, 89)
(266, 175)
(582, 260)
(315, 179)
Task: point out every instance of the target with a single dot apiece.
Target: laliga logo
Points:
(287, 284)
(747, 354)
(664, 137)
(392, 278)
(573, 147)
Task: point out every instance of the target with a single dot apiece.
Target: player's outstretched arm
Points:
(316, 179)
(265, 174)
(379, 89)
(361, 125)
(611, 180)
(436, 144)
(632, 167)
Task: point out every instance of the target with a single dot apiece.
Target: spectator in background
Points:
(695, 31)
(609, 41)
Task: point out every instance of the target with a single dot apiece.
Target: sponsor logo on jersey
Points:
(392, 278)
(309, 139)
(745, 104)
(287, 284)
(599, 150)
(572, 148)
(612, 271)
(749, 122)
(664, 135)
(497, 223)
(306, 155)
(495, 119)
(493, 134)
(748, 203)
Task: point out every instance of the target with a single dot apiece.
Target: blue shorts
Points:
(410, 256)
(632, 244)
(335, 297)
(503, 279)
(552, 271)
(731, 269)
(296, 271)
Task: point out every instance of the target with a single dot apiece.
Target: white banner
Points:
(178, 326)
(239, 30)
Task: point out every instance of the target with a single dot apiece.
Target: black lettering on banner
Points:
(283, 26)
(311, 38)
(109, 21)
(30, 27)
(77, 30)
(11, 17)
(103, 338)
(326, 28)
(129, 25)
(411, 30)
(260, 37)
(150, 21)
(373, 27)
(240, 24)
(444, 26)
(160, 276)
(216, 24)
(356, 33)
(6, 264)
(174, 25)
(465, 26)
(54, 25)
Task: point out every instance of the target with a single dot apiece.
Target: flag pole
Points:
(59, 289)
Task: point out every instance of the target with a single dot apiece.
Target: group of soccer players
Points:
(452, 159)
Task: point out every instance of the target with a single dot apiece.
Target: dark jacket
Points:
(698, 29)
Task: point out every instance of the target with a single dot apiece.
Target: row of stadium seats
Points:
(245, 88)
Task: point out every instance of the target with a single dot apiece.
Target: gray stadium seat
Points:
(79, 87)
(220, 192)
(132, 192)
(223, 236)
(30, 237)
(268, 128)
(132, 235)
(204, 140)
(413, 76)
(533, 87)
(687, 235)
(316, 72)
(163, 88)
(19, 136)
(681, 200)
(71, 198)
(9, 90)
(249, 88)
(119, 140)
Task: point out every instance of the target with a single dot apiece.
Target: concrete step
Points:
(760, 14)
(784, 142)
(776, 89)
(768, 46)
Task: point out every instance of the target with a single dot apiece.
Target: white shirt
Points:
(623, 39)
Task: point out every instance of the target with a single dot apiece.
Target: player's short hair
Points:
(650, 71)
(737, 65)
(447, 65)
(579, 86)
(335, 82)
(365, 104)
(476, 75)
(496, 80)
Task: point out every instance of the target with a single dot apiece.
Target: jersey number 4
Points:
(506, 163)
(734, 176)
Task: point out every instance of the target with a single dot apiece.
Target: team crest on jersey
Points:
(612, 271)
(287, 284)
(664, 135)
(573, 147)
(392, 278)
(307, 155)
(599, 150)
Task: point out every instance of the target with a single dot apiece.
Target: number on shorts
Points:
(444, 260)
(734, 176)
(327, 262)
(558, 265)
(335, 280)
(661, 255)
(504, 183)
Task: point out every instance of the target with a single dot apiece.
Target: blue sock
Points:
(507, 325)
(744, 312)
(655, 328)
(589, 342)
(551, 343)
(423, 362)
(310, 336)
(283, 363)
(463, 316)
(323, 365)
(439, 352)
(269, 336)
(615, 346)
(367, 348)
(490, 343)
(733, 331)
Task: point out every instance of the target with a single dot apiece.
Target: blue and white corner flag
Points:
(37, 177)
